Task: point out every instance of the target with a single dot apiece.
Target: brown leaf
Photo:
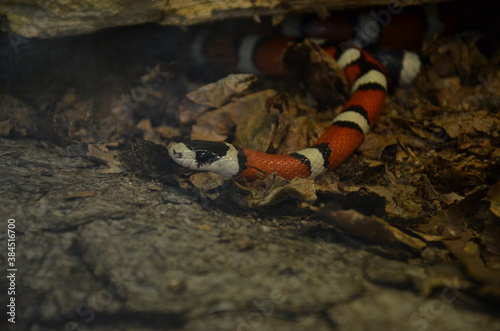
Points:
(372, 229)
(275, 128)
(209, 185)
(273, 190)
(81, 194)
(318, 71)
(213, 95)
(460, 240)
(473, 264)
(261, 128)
(286, 129)
(375, 144)
(217, 124)
(456, 124)
(104, 156)
(400, 200)
(189, 111)
(490, 239)
(7, 129)
(301, 133)
(219, 93)
(494, 198)
(156, 134)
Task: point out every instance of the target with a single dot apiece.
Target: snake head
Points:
(219, 157)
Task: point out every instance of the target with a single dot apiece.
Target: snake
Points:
(368, 84)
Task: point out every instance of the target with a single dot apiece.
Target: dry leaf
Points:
(400, 200)
(273, 190)
(81, 194)
(109, 158)
(217, 124)
(317, 70)
(209, 185)
(157, 134)
(213, 95)
(456, 124)
(372, 229)
(8, 129)
(219, 93)
(494, 198)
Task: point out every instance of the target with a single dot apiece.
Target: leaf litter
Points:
(426, 178)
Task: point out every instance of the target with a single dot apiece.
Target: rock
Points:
(131, 257)
(42, 19)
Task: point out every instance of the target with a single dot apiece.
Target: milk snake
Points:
(368, 83)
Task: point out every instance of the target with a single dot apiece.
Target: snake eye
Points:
(203, 157)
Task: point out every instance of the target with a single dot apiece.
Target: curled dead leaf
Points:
(468, 122)
(81, 194)
(400, 200)
(375, 144)
(217, 124)
(209, 185)
(494, 198)
(155, 134)
(213, 95)
(9, 129)
(104, 156)
(273, 190)
(372, 229)
(318, 71)
(220, 92)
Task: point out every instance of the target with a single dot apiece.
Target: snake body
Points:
(368, 89)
